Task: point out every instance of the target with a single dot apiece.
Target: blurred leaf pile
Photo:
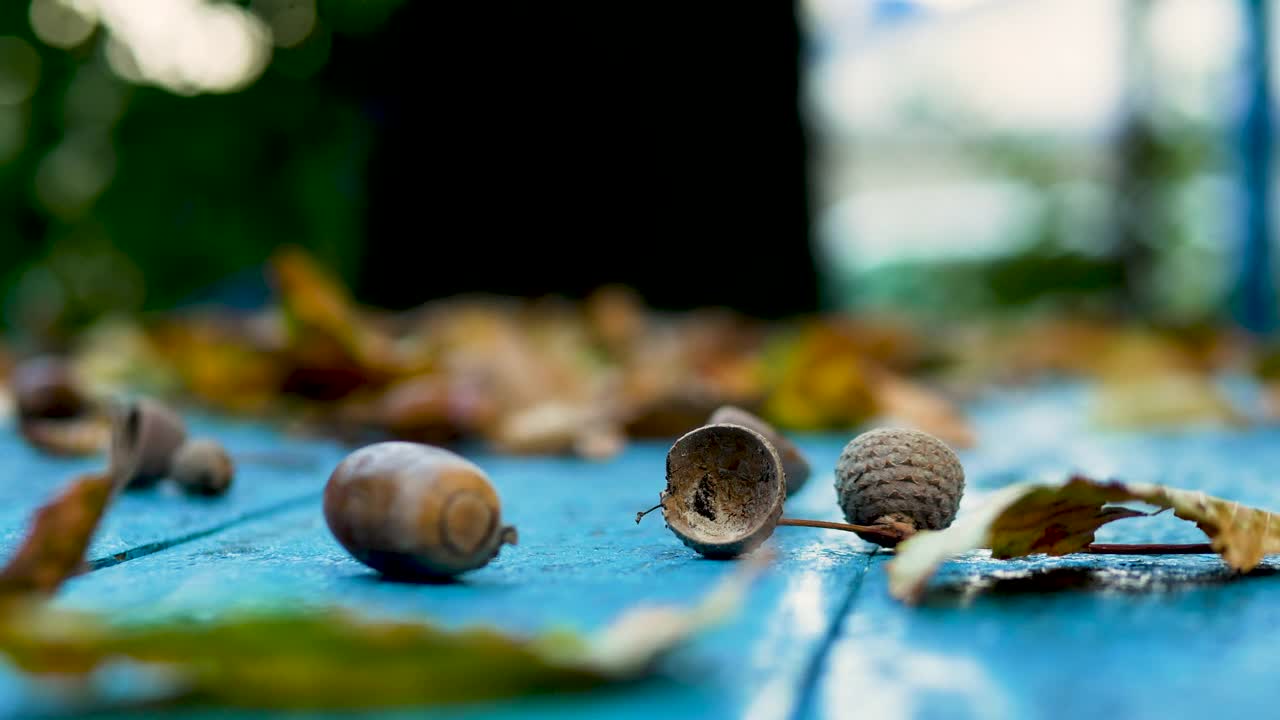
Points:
(541, 376)
(554, 376)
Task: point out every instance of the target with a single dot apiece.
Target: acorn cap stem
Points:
(640, 515)
(509, 536)
(885, 534)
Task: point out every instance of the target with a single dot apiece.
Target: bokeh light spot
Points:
(61, 24)
(185, 46)
(13, 132)
(74, 173)
(19, 70)
(291, 21)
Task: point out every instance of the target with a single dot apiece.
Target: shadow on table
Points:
(1128, 575)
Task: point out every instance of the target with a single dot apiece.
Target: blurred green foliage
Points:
(193, 189)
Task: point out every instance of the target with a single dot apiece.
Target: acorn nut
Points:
(45, 388)
(899, 476)
(793, 461)
(415, 511)
(202, 467)
(725, 490)
(157, 432)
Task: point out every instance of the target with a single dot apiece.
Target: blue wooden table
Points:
(818, 637)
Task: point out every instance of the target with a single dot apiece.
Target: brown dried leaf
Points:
(328, 330)
(919, 406)
(1060, 519)
(59, 535)
(1163, 399)
(554, 428)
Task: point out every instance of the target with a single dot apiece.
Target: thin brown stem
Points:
(847, 527)
(1149, 549)
(890, 535)
(640, 515)
(884, 535)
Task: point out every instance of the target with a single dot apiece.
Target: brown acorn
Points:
(45, 388)
(415, 511)
(54, 413)
(725, 490)
(793, 461)
(202, 467)
(157, 432)
(902, 476)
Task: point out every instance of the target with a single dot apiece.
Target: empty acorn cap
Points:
(793, 461)
(725, 490)
(154, 434)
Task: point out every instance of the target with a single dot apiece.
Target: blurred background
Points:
(936, 156)
(973, 153)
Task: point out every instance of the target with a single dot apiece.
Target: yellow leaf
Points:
(822, 382)
(1163, 399)
(1060, 519)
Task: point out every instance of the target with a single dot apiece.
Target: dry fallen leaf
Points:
(1060, 519)
(1161, 400)
(329, 335)
(332, 659)
(62, 528)
(822, 381)
(901, 400)
(54, 547)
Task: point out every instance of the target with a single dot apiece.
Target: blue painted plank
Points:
(142, 520)
(581, 562)
(988, 643)
(1080, 636)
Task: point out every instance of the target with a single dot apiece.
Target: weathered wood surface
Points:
(1081, 636)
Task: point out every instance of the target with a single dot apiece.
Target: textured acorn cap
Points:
(897, 475)
(794, 462)
(414, 511)
(725, 490)
(203, 467)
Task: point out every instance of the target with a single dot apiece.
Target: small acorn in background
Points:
(45, 388)
(55, 414)
(899, 477)
(794, 462)
(725, 490)
(415, 511)
(202, 467)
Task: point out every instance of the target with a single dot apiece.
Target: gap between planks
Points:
(805, 700)
(151, 548)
